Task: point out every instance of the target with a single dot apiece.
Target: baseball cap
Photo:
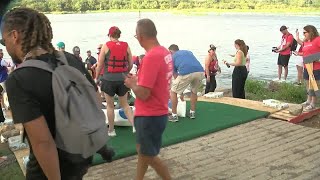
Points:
(112, 30)
(282, 28)
(61, 45)
(212, 47)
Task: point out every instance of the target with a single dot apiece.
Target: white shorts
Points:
(299, 62)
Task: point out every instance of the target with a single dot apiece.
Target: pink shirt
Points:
(310, 48)
(155, 73)
(285, 40)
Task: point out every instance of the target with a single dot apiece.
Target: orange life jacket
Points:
(117, 61)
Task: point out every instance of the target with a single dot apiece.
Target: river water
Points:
(195, 33)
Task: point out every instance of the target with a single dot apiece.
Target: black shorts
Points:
(283, 60)
(316, 74)
(149, 132)
(114, 87)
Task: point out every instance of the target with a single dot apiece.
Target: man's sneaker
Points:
(173, 118)
(133, 129)
(192, 115)
(112, 133)
(107, 154)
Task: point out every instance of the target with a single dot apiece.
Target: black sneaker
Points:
(173, 118)
(107, 154)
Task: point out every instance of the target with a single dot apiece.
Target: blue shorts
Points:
(316, 74)
(149, 130)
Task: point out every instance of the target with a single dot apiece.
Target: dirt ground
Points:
(313, 122)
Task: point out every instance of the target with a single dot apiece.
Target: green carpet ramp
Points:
(210, 117)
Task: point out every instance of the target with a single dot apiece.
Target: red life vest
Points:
(213, 67)
(117, 61)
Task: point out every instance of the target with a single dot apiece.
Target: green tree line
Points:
(96, 5)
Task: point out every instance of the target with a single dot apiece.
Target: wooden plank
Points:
(256, 105)
(280, 117)
(19, 155)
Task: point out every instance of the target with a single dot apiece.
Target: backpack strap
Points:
(36, 63)
(44, 65)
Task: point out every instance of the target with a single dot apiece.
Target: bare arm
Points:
(299, 41)
(206, 65)
(129, 59)
(44, 147)
(288, 44)
(141, 92)
(102, 56)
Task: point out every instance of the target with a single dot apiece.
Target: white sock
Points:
(174, 115)
(192, 111)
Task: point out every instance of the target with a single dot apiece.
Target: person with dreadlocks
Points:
(116, 59)
(27, 34)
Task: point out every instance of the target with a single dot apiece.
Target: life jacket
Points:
(117, 61)
(213, 68)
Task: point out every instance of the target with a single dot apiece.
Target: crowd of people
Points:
(154, 78)
(309, 50)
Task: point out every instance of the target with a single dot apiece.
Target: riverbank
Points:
(205, 11)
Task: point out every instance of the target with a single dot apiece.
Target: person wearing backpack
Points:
(284, 51)
(211, 69)
(116, 59)
(52, 95)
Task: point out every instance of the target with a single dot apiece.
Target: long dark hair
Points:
(313, 32)
(242, 45)
(34, 27)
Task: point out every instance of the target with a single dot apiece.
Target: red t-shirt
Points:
(310, 48)
(285, 40)
(155, 73)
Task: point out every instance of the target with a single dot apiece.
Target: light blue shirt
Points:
(186, 63)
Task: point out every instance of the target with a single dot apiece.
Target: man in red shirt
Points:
(284, 52)
(151, 87)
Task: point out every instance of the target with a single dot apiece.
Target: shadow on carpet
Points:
(210, 117)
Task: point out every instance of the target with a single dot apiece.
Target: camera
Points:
(274, 49)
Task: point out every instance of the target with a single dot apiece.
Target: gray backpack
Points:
(80, 122)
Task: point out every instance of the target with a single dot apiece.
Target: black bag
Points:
(294, 45)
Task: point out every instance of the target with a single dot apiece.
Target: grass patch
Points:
(261, 90)
(11, 171)
(205, 11)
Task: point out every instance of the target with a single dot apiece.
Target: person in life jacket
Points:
(211, 69)
(116, 58)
